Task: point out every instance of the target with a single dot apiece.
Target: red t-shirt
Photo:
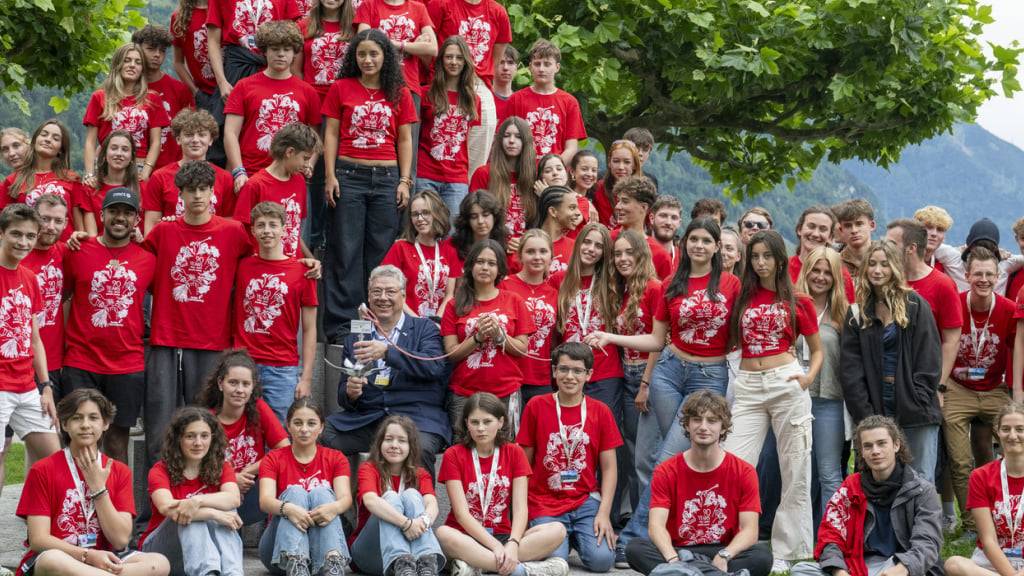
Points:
(194, 49)
(161, 195)
(796, 264)
(401, 23)
(291, 194)
(704, 507)
(105, 327)
(488, 368)
(268, 308)
(192, 291)
(542, 303)
(502, 107)
(481, 25)
(515, 215)
(369, 122)
(50, 491)
(238, 20)
(553, 118)
(160, 479)
(136, 120)
(267, 105)
(71, 191)
(606, 360)
(550, 495)
(1014, 284)
(766, 327)
(604, 206)
(985, 490)
(20, 301)
(584, 206)
(457, 464)
(369, 481)
(994, 336)
(444, 153)
(697, 325)
(561, 253)
(244, 449)
(419, 273)
(327, 464)
(644, 321)
(941, 293)
(322, 56)
(175, 97)
(48, 266)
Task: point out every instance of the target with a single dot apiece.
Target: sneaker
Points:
(295, 565)
(949, 523)
(404, 565)
(780, 566)
(334, 565)
(620, 558)
(461, 568)
(551, 567)
(967, 537)
(5, 571)
(426, 565)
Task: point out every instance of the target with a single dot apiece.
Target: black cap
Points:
(121, 195)
(983, 229)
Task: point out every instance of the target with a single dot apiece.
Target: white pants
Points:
(23, 412)
(764, 399)
(481, 137)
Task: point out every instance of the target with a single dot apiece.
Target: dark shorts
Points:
(126, 391)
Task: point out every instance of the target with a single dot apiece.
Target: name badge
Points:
(976, 373)
(569, 476)
(87, 540)
(381, 380)
(490, 530)
(1013, 552)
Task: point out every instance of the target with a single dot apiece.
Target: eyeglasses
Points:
(751, 224)
(416, 215)
(566, 370)
(390, 292)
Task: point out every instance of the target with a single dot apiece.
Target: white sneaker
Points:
(780, 566)
(461, 568)
(551, 567)
(949, 523)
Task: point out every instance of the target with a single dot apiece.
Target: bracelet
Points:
(515, 540)
(477, 340)
(240, 171)
(408, 524)
(645, 382)
(88, 175)
(280, 511)
(147, 163)
(672, 559)
(406, 179)
(98, 493)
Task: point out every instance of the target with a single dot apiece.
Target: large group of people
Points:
(595, 372)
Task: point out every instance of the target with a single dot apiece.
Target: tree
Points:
(62, 44)
(760, 92)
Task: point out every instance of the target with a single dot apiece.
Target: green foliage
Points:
(60, 44)
(760, 92)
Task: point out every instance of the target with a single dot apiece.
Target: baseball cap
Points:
(121, 195)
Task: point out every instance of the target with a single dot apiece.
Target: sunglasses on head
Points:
(750, 225)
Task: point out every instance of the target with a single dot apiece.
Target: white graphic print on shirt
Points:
(15, 324)
(700, 318)
(448, 134)
(245, 23)
(201, 52)
(194, 271)
(326, 53)
(51, 187)
(292, 225)
(483, 356)
(111, 292)
(1000, 513)
(703, 518)
(133, 120)
(51, 286)
(544, 123)
(275, 112)
(477, 33)
(398, 28)
(500, 497)
(430, 302)
(71, 520)
(555, 460)
(369, 125)
(837, 512)
(544, 319)
(762, 326)
(573, 331)
(264, 298)
(983, 358)
(635, 327)
(241, 451)
(314, 481)
(166, 130)
(515, 216)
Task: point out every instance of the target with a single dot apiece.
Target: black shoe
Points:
(404, 565)
(426, 565)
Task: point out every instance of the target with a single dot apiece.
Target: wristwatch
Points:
(724, 554)
(45, 385)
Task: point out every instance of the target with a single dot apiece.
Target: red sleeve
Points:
(448, 320)
(806, 316)
(155, 109)
(977, 489)
(35, 494)
(406, 112)
(662, 263)
(527, 426)
(426, 482)
(750, 500)
(481, 178)
(150, 196)
(332, 102)
(518, 463)
(575, 128)
(611, 438)
(661, 312)
(652, 296)
(312, 105)
(213, 15)
(949, 312)
(122, 493)
(663, 485)
(436, 13)
(269, 465)
(366, 14)
(368, 481)
(236, 100)
(246, 200)
(339, 465)
(450, 468)
(158, 478)
(291, 11)
(502, 25)
(524, 319)
(394, 256)
(94, 109)
(309, 293)
(227, 474)
(422, 16)
(272, 430)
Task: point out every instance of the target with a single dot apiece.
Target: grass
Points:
(14, 467)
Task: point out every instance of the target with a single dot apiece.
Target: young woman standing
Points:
(114, 169)
(513, 160)
(623, 161)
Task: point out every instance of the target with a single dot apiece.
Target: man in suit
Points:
(399, 384)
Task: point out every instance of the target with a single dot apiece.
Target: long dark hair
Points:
(410, 466)
(438, 94)
(212, 465)
(61, 166)
(751, 281)
(465, 288)
(212, 397)
(680, 280)
(462, 238)
(503, 166)
(391, 78)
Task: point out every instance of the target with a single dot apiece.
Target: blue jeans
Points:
(279, 384)
(361, 229)
(250, 508)
(451, 192)
(197, 549)
(380, 543)
(283, 538)
(579, 527)
(672, 381)
(628, 483)
(609, 391)
(924, 447)
(829, 434)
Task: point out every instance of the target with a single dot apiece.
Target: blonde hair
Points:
(934, 216)
(113, 87)
(893, 294)
(531, 234)
(603, 292)
(837, 303)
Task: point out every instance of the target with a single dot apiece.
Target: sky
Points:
(1004, 117)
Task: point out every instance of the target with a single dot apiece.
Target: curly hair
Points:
(409, 466)
(212, 464)
(158, 36)
(462, 237)
(131, 176)
(392, 80)
(702, 401)
(189, 121)
(212, 397)
(195, 174)
(180, 24)
(279, 34)
(874, 422)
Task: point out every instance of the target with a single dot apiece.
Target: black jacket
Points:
(918, 366)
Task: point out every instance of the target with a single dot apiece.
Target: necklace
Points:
(370, 92)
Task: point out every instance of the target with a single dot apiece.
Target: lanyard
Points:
(978, 340)
(1012, 520)
(583, 313)
(433, 277)
(566, 445)
(488, 491)
(87, 507)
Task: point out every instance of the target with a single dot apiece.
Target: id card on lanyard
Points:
(1013, 519)
(583, 312)
(570, 476)
(978, 339)
(486, 491)
(87, 540)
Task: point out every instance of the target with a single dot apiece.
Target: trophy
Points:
(356, 369)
